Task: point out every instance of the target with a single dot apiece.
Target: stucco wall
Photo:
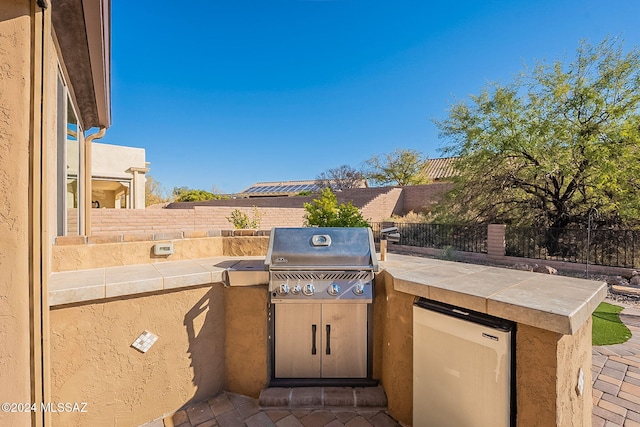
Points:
(99, 255)
(574, 353)
(112, 161)
(246, 340)
(86, 256)
(393, 346)
(547, 365)
(536, 376)
(15, 85)
(93, 361)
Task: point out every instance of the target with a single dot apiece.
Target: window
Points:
(70, 152)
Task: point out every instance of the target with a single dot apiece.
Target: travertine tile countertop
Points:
(87, 285)
(556, 303)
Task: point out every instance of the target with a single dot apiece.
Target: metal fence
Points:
(613, 248)
(466, 238)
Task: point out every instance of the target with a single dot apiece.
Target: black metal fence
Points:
(606, 247)
(466, 238)
(613, 248)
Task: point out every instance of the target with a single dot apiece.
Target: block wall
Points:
(384, 205)
(115, 221)
(422, 198)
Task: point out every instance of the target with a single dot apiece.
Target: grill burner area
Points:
(329, 286)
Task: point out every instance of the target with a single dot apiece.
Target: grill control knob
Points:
(308, 289)
(296, 290)
(283, 289)
(333, 289)
(359, 289)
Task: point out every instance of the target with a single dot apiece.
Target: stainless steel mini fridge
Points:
(463, 368)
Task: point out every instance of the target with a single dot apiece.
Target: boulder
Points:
(617, 281)
(625, 290)
(635, 281)
(544, 269)
(523, 267)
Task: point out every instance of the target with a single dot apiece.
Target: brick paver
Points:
(234, 410)
(616, 378)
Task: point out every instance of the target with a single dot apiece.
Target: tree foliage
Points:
(547, 149)
(340, 178)
(401, 167)
(326, 212)
(186, 194)
(154, 192)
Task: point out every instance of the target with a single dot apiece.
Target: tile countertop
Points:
(86, 285)
(555, 303)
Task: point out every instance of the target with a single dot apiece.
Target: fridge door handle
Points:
(328, 351)
(313, 339)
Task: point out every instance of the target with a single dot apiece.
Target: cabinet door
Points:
(298, 340)
(344, 330)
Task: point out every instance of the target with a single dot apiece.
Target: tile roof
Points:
(442, 168)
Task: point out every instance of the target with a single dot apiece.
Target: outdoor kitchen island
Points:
(553, 316)
(553, 338)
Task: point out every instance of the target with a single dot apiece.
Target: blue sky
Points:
(228, 93)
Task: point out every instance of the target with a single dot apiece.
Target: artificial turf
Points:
(607, 327)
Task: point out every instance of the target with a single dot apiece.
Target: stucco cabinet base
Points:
(214, 337)
(553, 338)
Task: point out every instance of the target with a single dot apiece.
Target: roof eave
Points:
(83, 30)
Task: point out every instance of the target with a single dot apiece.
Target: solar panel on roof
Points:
(282, 188)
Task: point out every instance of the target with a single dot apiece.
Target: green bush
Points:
(326, 212)
(194, 195)
(241, 219)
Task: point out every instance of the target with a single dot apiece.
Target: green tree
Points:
(401, 167)
(185, 194)
(548, 148)
(326, 212)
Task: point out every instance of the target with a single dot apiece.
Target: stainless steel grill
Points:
(329, 264)
(321, 294)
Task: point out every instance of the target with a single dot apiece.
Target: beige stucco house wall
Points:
(118, 176)
(54, 88)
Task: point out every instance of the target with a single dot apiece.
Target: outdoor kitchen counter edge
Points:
(555, 303)
(69, 287)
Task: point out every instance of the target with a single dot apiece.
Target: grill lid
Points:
(321, 248)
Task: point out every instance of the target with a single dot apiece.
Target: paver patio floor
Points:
(234, 410)
(616, 377)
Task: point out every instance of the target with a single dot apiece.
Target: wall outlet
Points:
(163, 248)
